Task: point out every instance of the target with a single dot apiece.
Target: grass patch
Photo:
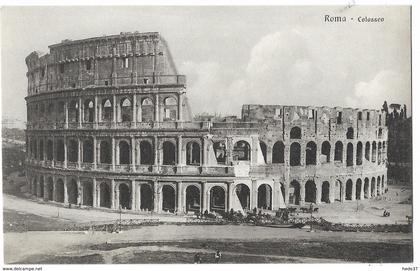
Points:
(52, 259)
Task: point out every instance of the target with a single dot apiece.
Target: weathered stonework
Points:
(109, 125)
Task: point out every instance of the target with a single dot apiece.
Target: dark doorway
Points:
(217, 199)
(193, 198)
(146, 197)
(264, 197)
(243, 194)
(125, 196)
(168, 198)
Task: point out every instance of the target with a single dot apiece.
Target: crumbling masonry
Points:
(109, 126)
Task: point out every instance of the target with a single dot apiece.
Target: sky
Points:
(236, 55)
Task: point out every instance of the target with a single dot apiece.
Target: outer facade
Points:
(109, 126)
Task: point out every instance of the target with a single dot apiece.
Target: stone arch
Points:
(278, 153)
(373, 187)
(87, 198)
(349, 189)
(146, 197)
(294, 192)
(378, 186)
(243, 194)
(295, 133)
(193, 153)
(310, 191)
(126, 110)
(88, 151)
(373, 160)
(295, 154)
(350, 133)
(124, 196)
(73, 111)
(349, 159)
(219, 148)
(379, 152)
(107, 110)
(265, 195)
(338, 153)
(325, 192)
(72, 150)
(241, 151)
(359, 185)
(193, 198)
(366, 188)
(147, 110)
(217, 199)
(59, 190)
(125, 153)
(339, 191)
(359, 153)
(310, 153)
(60, 150)
(169, 153)
(50, 149)
(50, 189)
(146, 153)
(72, 191)
(168, 198)
(41, 187)
(367, 151)
(89, 111)
(263, 148)
(170, 108)
(104, 195)
(326, 150)
(105, 152)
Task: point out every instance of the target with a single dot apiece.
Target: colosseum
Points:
(109, 126)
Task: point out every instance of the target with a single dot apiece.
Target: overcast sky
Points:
(237, 55)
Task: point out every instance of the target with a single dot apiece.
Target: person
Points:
(217, 256)
(384, 213)
(197, 258)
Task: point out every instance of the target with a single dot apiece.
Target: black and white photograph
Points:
(218, 134)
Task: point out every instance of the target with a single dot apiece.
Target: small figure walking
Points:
(217, 256)
(197, 258)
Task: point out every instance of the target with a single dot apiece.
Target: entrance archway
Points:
(169, 157)
(87, 194)
(193, 198)
(243, 194)
(338, 191)
(59, 190)
(168, 198)
(72, 191)
(217, 199)
(146, 197)
(310, 191)
(366, 188)
(294, 192)
(124, 196)
(358, 189)
(104, 195)
(325, 193)
(373, 187)
(264, 197)
(349, 188)
(50, 187)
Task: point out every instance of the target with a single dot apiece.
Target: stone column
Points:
(66, 195)
(65, 151)
(117, 196)
(113, 153)
(302, 193)
(369, 192)
(179, 151)
(114, 110)
(80, 191)
(180, 97)
(133, 154)
(254, 194)
(66, 114)
(205, 197)
(318, 192)
(96, 120)
(156, 199)
(276, 194)
(134, 113)
(332, 153)
(344, 154)
(269, 155)
(133, 195)
(54, 195)
(79, 153)
(95, 153)
(113, 205)
(332, 191)
(302, 153)
(157, 108)
(46, 190)
(353, 190)
(363, 153)
(95, 192)
(230, 195)
(286, 192)
(156, 153)
(80, 112)
(180, 199)
(318, 154)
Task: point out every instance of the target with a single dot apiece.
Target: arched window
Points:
(241, 151)
(73, 150)
(278, 153)
(60, 150)
(193, 154)
(105, 153)
(367, 151)
(217, 199)
(169, 153)
(350, 133)
(146, 153)
(265, 197)
(295, 133)
(89, 111)
(124, 153)
(379, 153)
(126, 110)
(373, 152)
(338, 153)
(359, 153)
(295, 154)
(73, 110)
(147, 110)
(310, 191)
(311, 153)
(349, 160)
(170, 108)
(243, 194)
(326, 150)
(220, 152)
(168, 198)
(88, 151)
(107, 110)
(193, 198)
(50, 149)
(41, 149)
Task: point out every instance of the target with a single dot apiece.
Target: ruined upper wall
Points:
(128, 58)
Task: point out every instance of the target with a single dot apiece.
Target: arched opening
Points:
(366, 188)
(89, 111)
(107, 110)
(50, 149)
(73, 111)
(147, 109)
(105, 153)
(72, 191)
(311, 153)
(295, 154)
(294, 192)
(380, 133)
(338, 153)
(87, 198)
(104, 195)
(61, 112)
(124, 149)
(383, 183)
(59, 190)
(263, 148)
(50, 189)
(168, 198)
(373, 152)
(310, 191)
(243, 194)
(349, 160)
(146, 197)
(350, 133)
(60, 150)
(217, 199)
(278, 153)
(358, 189)
(326, 151)
(373, 187)
(338, 191)
(126, 110)
(295, 133)
(264, 197)
(193, 154)
(359, 153)
(220, 152)
(241, 151)
(169, 153)
(378, 186)
(367, 151)
(193, 197)
(146, 153)
(72, 150)
(88, 151)
(325, 192)
(124, 196)
(379, 153)
(349, 188)
(170, 108)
